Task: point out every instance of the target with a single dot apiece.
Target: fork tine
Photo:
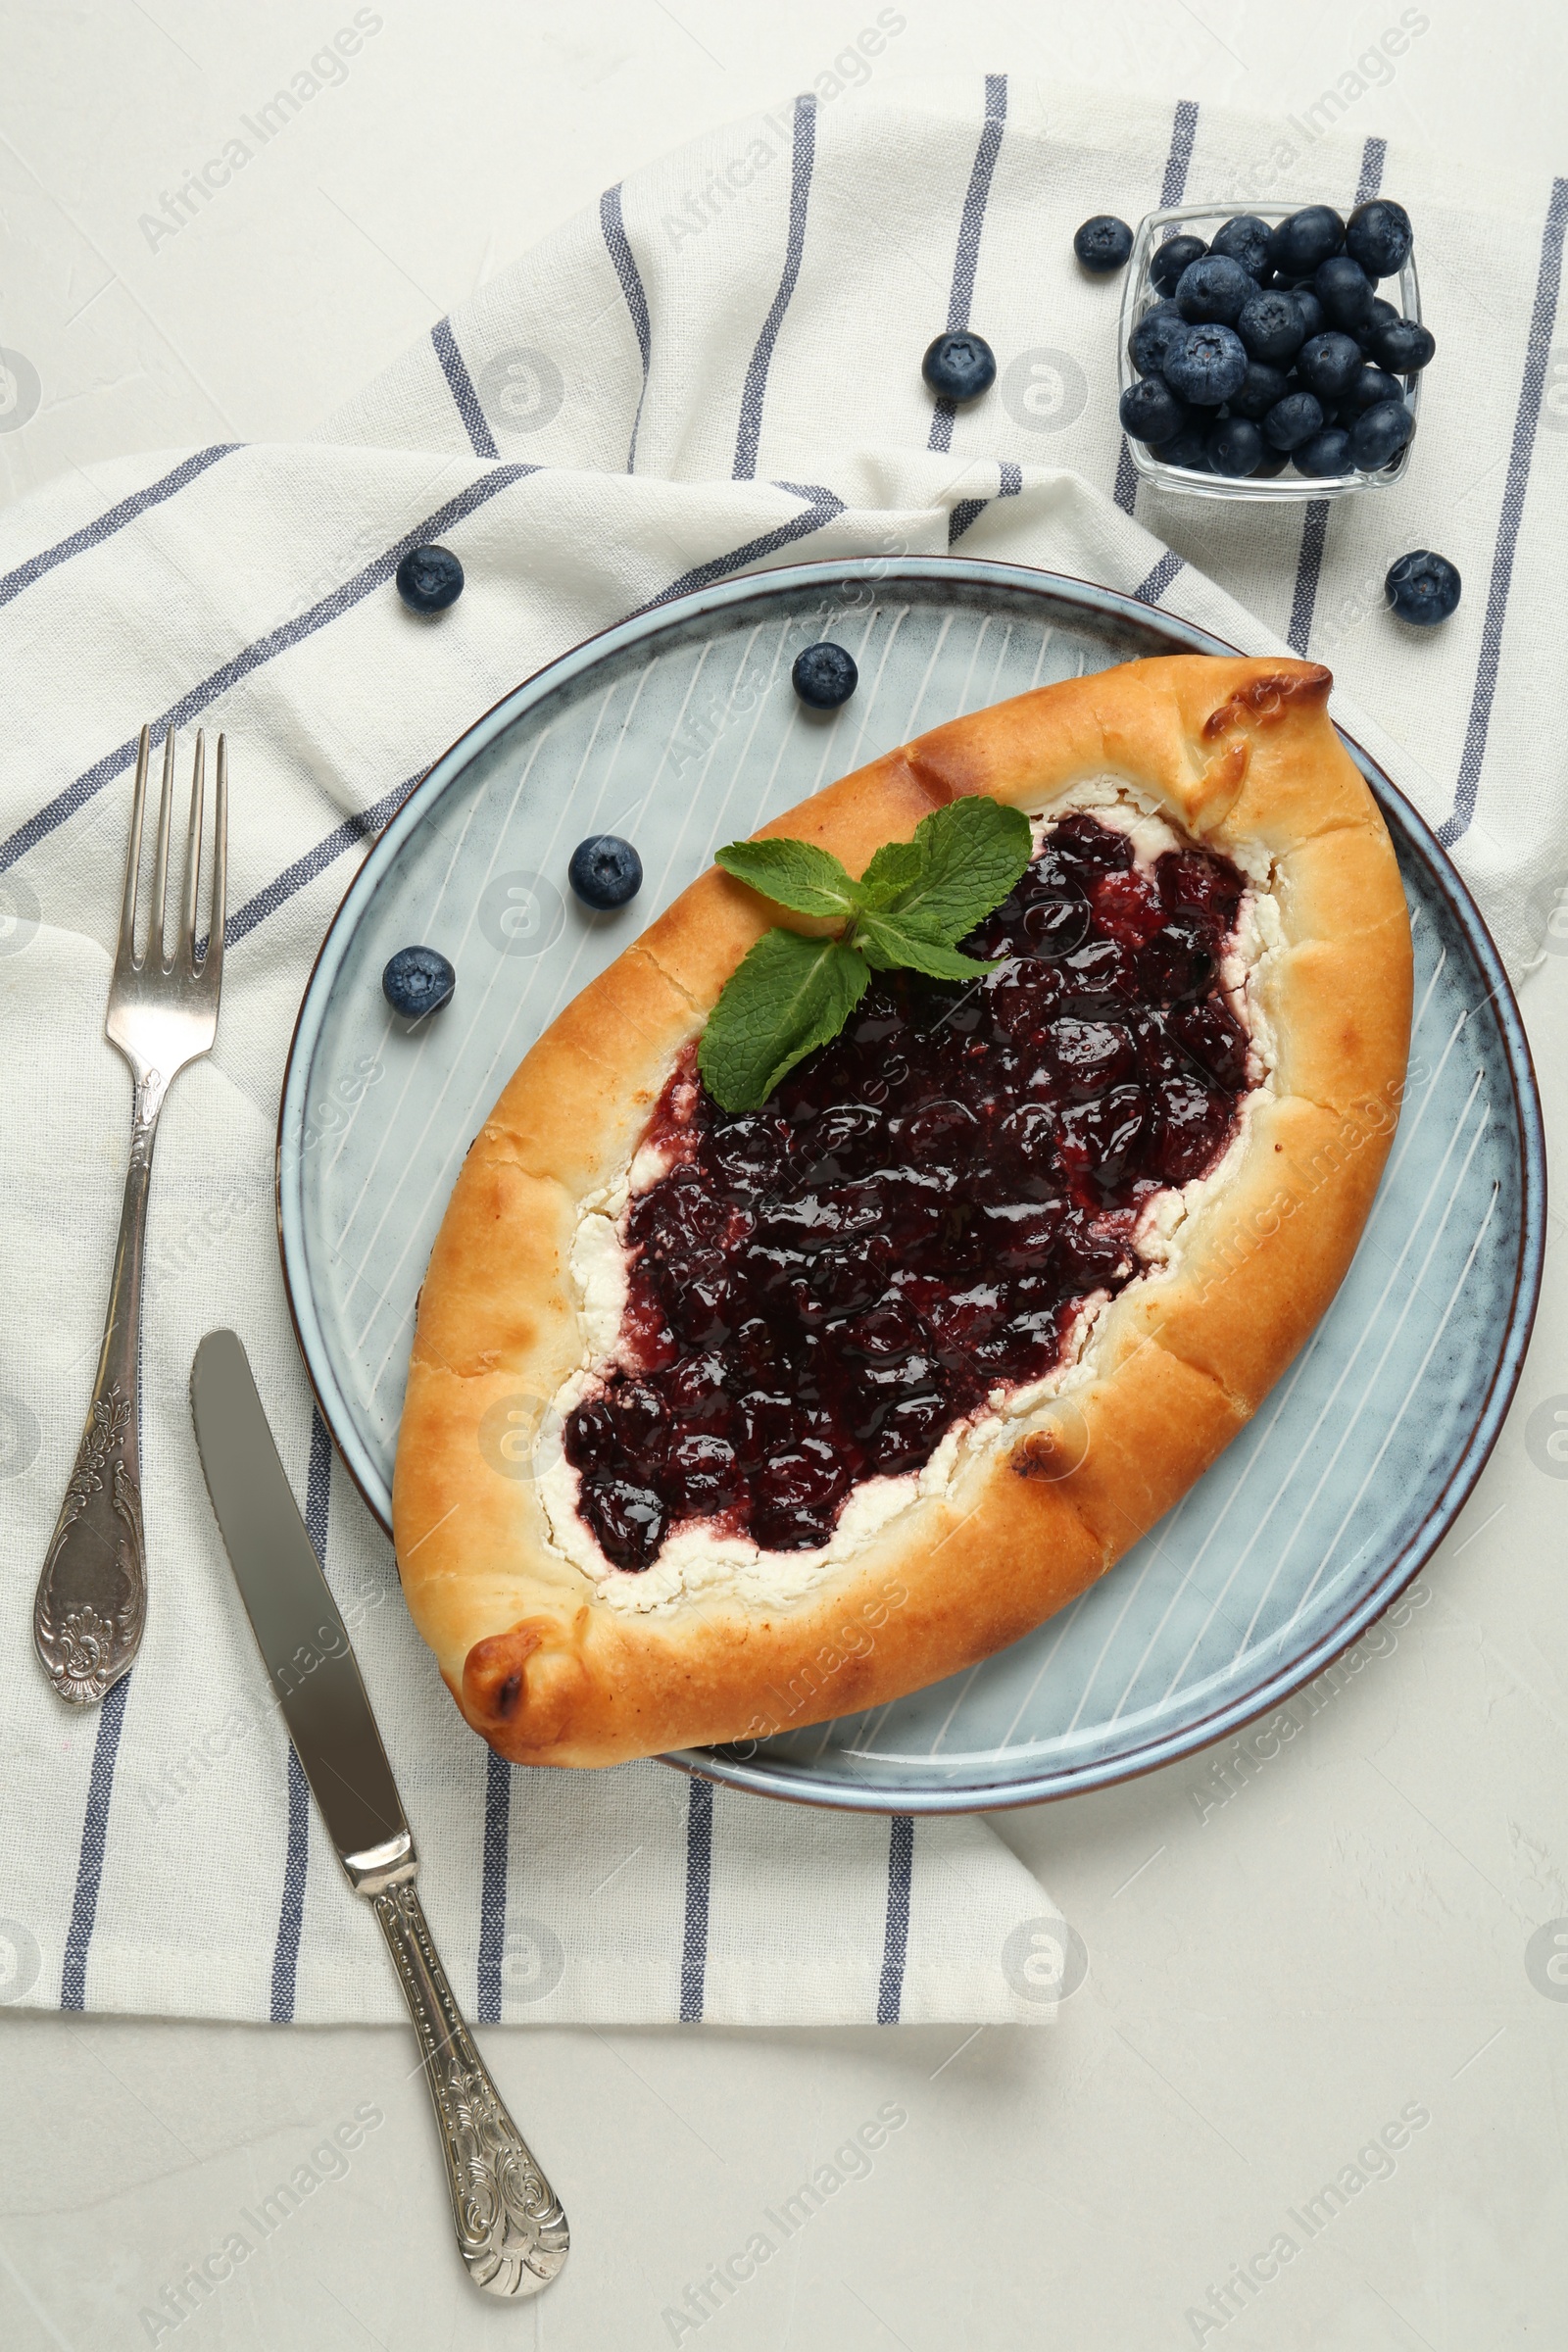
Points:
(125, 945)
(166, 810)
(193, 854)
(213, 961)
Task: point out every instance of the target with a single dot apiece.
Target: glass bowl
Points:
(1140, 294)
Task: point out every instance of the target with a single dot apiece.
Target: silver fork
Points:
(91, 1604)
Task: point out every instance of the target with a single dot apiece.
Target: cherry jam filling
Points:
(820, 1289)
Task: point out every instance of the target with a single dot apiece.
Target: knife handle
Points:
(512, 2231)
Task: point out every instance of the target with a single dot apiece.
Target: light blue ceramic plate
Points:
(679, 729)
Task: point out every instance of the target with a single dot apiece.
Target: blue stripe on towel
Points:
(113, 520)
(966, 259)
(1542, 318)
(460, 383)
(755, 388)
(90, 1858)
(297, 1852)
(251, 658)
(631, 286)
(1172, 188)
(1316, 520)
(896, 1935)
(822, 508)
(493, 1887)
(305, 869)
(968, 511)
(698, 1874)
(1151, 590)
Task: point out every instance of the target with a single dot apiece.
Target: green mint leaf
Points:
(973, 851)
(895, 868)
(786, 995)
(793, 873)
(894, 942)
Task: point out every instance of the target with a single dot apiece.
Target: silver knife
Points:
(512, 2231)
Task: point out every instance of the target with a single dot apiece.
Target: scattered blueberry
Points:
(1270, 326)
(1402, 347)
(1189, 448)
(604, 870)
(1103, 244)
(1423, 588)
(1297, 246)
(1327, 453)
(429, 579)
(1151, 338)
(1169, 259)
(1293, 421)
(825, 676)
(1262, 389)
(959, 367)
(1207, 364)
(1379, 434)
(1329, 364)
(1213, 289)
(1379, 235)
(1314, 318)
(417, 981)
(1370, 386)
(1235, 446)
(1245, 239)
(1151, 411)
(1344, 290)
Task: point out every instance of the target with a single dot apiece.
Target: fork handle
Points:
(91, 1603)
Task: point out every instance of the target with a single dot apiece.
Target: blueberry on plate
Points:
(1189, 448)
(1379, 434)
(1270, 326)
(1244, 238)
(1297, 246)
(1370, 386)
(1150, 409)
(1293, 421)
(1169, 259)
(1327, 453)
(1262, 389)
(1153, 336)
(604, 871)
(1314, 318)
(1402, 347)
(429, 579)
(825, 676)
(1379, 235)
(1344, 290)
(1235, 446)
(1329, 364)
(1423, 588)
(959, 367)
(1103, 244)
(417, 981)
(1213, 289)
(1207, 364)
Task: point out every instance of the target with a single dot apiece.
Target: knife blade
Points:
(512, 2231)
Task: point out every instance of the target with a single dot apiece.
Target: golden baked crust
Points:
(1241, 756)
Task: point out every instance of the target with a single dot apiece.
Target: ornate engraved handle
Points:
(512, 2231)
(91, 1602)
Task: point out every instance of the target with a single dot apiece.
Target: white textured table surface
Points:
(1289, 1949)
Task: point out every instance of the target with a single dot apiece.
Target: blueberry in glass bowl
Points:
(1328, 333)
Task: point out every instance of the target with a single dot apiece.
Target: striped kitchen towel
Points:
(717, 370)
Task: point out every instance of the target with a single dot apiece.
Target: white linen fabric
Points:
(719, 372)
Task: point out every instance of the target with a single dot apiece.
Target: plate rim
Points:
(790, 1784)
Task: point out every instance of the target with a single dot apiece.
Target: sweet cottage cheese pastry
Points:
(718, 1424)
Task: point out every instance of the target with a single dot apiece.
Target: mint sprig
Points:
(914, 902)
